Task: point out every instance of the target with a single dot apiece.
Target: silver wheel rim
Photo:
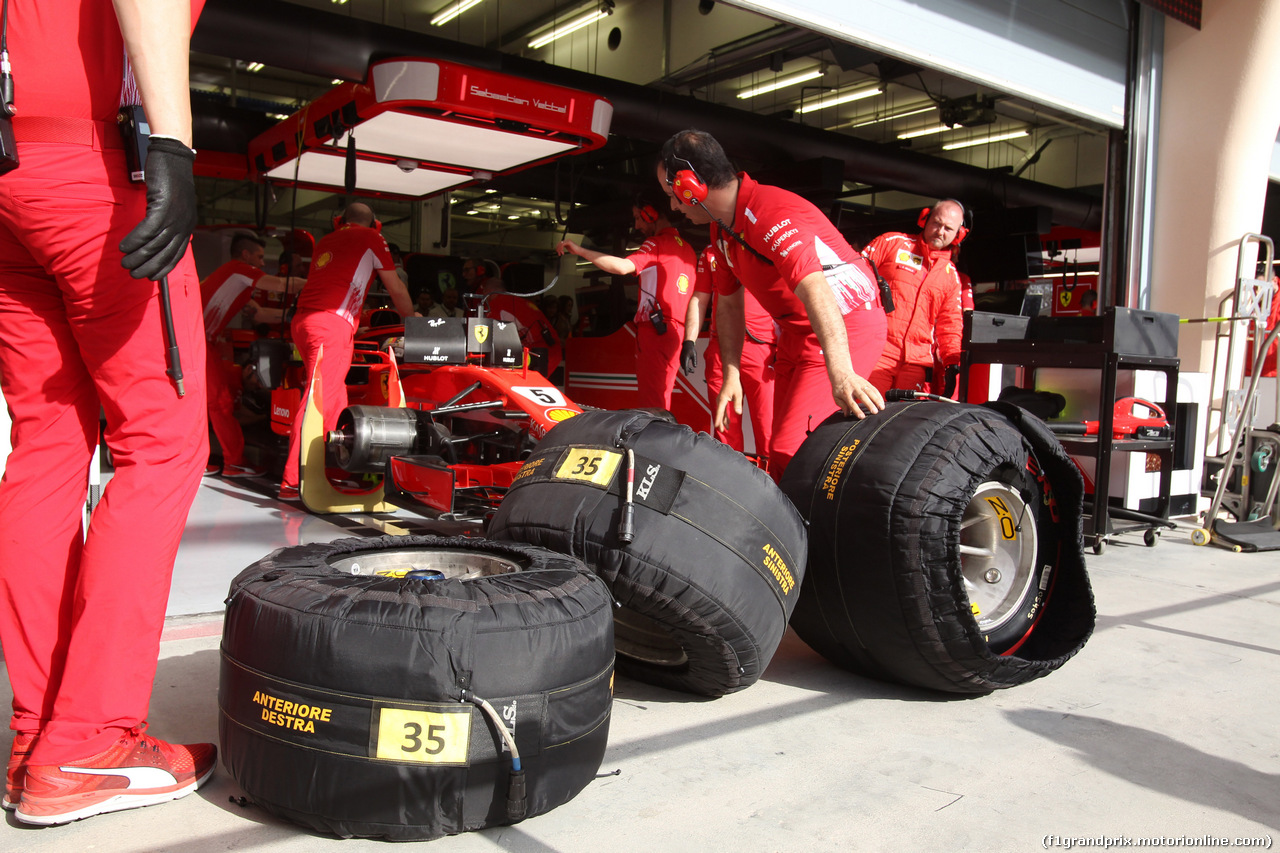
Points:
(452, 564)
(641, 638)
(998, 543)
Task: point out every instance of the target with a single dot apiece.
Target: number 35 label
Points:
(427, 737)
(590, 464)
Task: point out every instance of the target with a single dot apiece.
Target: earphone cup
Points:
(337, 222)
(961, 233)
(377, 225)
(648, 214)
(924, 216)
(688, 188)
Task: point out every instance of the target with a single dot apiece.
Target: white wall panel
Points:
(1070, 54)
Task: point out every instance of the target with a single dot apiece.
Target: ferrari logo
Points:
(482, 334)
(1065, 298)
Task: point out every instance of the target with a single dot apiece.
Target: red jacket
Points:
(926, 318)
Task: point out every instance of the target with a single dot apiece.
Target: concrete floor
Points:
(1164, 725)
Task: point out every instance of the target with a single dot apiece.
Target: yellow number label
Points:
(1007, 528)
(424, 736)
(590, 465)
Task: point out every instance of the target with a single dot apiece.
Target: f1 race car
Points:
(442, 413)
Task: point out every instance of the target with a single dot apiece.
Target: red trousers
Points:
(802, 393)
(222, 408)
(757, 376)
(311, 331)
(81, 614)
(890, 372)
(657, 360)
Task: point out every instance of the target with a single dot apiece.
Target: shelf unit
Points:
(1031, 355)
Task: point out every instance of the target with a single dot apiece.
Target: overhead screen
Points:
(1069, 54)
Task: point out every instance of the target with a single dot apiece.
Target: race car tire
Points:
(352, 674)
(705, 588)
(892, 501)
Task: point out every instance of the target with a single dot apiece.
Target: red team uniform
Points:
(759, 348)
(224, 293)
(328, 313)
(81, 614)
(796, 240)
(667, 267)
(926, 322)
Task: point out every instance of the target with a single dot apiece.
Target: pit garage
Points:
(1133, 717)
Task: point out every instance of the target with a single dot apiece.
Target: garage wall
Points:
(1070, 54)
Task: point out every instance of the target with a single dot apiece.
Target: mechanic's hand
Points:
(155, 246)
(856, 394)
(950, 379)
(688, 357)
(566, 246)
(730, 397)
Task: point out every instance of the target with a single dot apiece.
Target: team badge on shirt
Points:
(682, 284)
(324, 259)
(907, 259)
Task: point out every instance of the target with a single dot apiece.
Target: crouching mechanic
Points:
(81, 609)
(759, 349)
(821, 292)
(927, 319)
(328, 312)
(667, 267)
(227, 292)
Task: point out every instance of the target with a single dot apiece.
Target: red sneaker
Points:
(211, 469)
(288, 493)
(17, 775)
(135, 771)
(237, 471)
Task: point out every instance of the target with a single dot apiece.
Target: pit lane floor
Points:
(1164, 726)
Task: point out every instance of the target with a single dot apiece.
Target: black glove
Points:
(154, 247)
(688, 357)
(950, 379)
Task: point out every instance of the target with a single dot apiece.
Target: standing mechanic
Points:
(667, 266)
(226, 292)
(821, 292)
(81, 612)
(926, 323)
(329, 311)
(759, 350)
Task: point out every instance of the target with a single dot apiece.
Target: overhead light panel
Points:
(254, 67)
(838, 99)
(781, 83)
(453, 10)
(572, 26)
(985, 140)
(924, 131)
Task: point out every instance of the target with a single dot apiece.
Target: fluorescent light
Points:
(473, 212)
(983, 140)
(886, 117)
(571, 27)
(278, 116)
(781, 82)
(836, 100)
(452, 11)
(924, 131)
(513, 216)
(336, 81)
(254, 67)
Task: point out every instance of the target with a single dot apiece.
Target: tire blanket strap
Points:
(670, 491)
(394, 730)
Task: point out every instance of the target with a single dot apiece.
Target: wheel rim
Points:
(638, 637)
(459, 564)
(998, 544)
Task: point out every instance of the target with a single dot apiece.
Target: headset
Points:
(961, 232)
(648, 213)
(339, 221)
(686, 184)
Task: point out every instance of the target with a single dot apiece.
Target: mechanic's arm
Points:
(848, 389)
(399, 293)
(731, 328)
(609, 263)
(157, 36)
(276, 284)
(692, 327)
(948, 329)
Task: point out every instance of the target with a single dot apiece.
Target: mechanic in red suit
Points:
(759, 349)
(328, 312)
(536, 331)
(667, 266)
(926, 321)
(81, 613)
(227, 292)
(821, 292)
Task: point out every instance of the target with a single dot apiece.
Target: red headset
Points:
(686, 185)
(647, 213)
(961, 232)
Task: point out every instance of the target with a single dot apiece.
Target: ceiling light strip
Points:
(781, 82)
(452, 11)
(865, 122)
(570, 27)
(925, 131)
(985, 140)
(837, 100)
